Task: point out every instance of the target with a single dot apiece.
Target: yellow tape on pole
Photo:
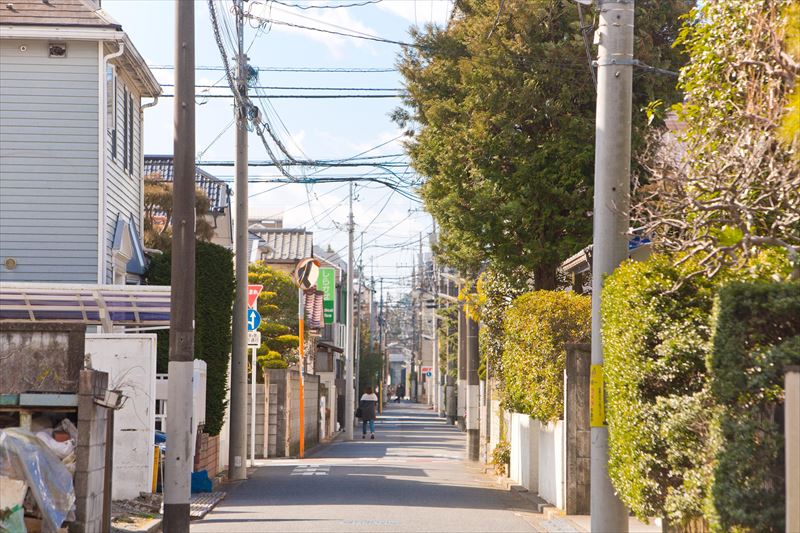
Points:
(597, 397)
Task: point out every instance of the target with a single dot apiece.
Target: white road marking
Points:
(311, 470)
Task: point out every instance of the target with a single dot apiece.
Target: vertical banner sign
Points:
(597, 397)
(327, 284)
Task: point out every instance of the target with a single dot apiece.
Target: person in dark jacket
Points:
(401, 393)
(369, 408)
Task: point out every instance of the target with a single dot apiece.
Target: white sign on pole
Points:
(254, 338)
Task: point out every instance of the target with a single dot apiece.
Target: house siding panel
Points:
(48, 162)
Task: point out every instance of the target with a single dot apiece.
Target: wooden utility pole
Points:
(237, 448)
(179, 462)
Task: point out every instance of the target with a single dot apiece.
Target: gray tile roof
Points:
(217, 190)
(286, 245)
(56, 13)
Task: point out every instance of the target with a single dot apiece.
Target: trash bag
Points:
(23, 456)
(14, 522)
(201, 482)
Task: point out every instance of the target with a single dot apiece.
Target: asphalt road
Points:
(411, 478)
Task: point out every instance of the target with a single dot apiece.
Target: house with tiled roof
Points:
(71, 112)
(219, 216)
(279, 247)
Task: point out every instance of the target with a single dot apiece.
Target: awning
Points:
(102, 305)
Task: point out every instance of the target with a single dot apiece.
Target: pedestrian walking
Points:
(401, 392)
(368, 405)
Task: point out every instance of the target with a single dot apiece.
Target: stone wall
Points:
(578, 433)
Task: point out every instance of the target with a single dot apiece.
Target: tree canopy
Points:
(277, 305)
(503, 104)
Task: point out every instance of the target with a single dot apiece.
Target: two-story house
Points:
(71, 108)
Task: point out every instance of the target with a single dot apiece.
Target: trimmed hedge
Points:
(664, 413)
(538, 325)
(757, 334)
(655, 345)
(213, 315)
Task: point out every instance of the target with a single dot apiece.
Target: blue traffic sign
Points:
(253, 320)
(429, 374)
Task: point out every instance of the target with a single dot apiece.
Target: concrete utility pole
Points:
(357, 344)
(349, 398)
(473, 391)
(461, 394)
(611, 213)
(179, 462)
(237, 448)
(437, 403)
(452, 371)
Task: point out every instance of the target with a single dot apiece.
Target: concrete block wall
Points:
(286, 417)
(207, 455)
(91, 454)
(260, 407)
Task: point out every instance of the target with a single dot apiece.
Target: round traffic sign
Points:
(253, 320)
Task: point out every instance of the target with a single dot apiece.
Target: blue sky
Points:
(317, 129)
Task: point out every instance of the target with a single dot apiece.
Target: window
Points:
(125, 129)
(111, 111)
(130, 133)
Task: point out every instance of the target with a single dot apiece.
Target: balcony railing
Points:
(333, 334)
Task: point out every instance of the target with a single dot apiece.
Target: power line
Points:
(298, 96)
(314, 70)
(327, 6)
(354, 34)
(296, 88)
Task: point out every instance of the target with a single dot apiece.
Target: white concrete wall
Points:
(552, 453)
(130, 360)
(524, 438)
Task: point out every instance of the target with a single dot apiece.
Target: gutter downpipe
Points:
(101, 158)
(142, 107)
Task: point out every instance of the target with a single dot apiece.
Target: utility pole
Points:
(611, 214)
(384, 358)
(461, 394)
(178, 467)
(357, 346)
(473, 390)
(349, 399)
(437, 404)
(237, 449)
(451, 403)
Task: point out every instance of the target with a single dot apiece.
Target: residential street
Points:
(411, 478)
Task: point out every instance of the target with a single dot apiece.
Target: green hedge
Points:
(655, 344)
(213, 315)
(757, 334)
(538, 325)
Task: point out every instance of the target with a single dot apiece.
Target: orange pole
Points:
(302, 392)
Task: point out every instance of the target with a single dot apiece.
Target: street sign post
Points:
(254, 338)
(253, 320)
(327, 284)
(252, 294)
(305, 276)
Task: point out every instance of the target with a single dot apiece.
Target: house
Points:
(71, 112)
(280, 248)
(219, 194)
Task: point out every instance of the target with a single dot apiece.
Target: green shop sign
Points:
(327, 284)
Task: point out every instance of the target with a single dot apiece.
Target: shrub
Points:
(213, 314)
(501, 457)
(655, 345)
(661, 413)
(274, 363)
(757, 334)
(538, 325)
